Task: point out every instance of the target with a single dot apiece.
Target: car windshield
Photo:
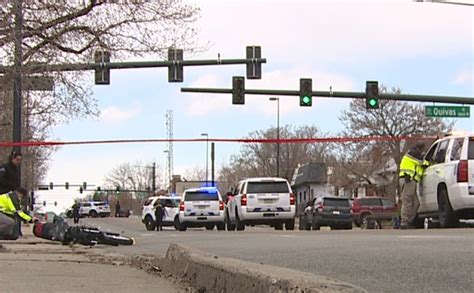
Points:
(336, 202)
(267, 187)
(201, 195)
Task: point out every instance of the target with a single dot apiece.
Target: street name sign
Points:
(448, 111)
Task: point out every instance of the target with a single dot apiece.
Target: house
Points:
(309, 181)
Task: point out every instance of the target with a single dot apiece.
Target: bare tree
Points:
(137, 176)
(259, 159)
(56, 32)
(195, 174)
(394, 120)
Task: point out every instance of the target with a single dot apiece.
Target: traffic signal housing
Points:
(102, 74)
(306, 92)
(175, 71)
(238, 90)
(66, 185)
(51, 185)
(84, 185)
(372, 95)
(254, 66)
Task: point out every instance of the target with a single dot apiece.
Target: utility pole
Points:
(17, 78)
(153, 188)
(213, 158)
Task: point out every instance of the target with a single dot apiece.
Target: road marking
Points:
(285, 236)
(147, 234)
(428, 236)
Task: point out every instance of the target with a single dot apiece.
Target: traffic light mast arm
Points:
(343, 95)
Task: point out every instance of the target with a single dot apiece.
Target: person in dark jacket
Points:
(117, 209)
(159, 214)
(10, 173)
(75, 212)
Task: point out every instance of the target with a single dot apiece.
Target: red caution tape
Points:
(225, 140)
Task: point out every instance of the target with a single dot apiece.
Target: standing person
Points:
(10, 179)
(75, 212)
(9, 211)
(159, 214)
(117, 209)
(411, 172)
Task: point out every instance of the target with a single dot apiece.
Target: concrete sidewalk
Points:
(30, 264)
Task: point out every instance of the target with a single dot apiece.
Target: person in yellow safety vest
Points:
(411, 172)
(9, 209)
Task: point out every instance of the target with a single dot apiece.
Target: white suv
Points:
(201, 207)
(170, 203)
(267, 201)
(446, 191)
(94, 209)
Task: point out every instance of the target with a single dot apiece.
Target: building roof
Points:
(310, 173)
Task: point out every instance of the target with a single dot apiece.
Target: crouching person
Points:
(9, 210)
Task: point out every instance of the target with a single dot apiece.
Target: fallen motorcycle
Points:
(60, 231)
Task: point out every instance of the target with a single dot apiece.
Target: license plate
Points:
(268, 200)
(336, 212)
(269, 214)
(202, 218)
(201, 207)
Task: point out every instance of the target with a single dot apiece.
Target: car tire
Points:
(149, 223)
(209, 227)
(290, 225)
(239, 225)
(447, 217)
(220, 227)
(93, 214)
(176, 223)
(279, 226)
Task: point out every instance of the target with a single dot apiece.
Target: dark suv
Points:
(327, 211)
(369, 209)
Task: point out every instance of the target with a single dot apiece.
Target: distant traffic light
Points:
(55, 203)
(98, 188)
(238, 90)
(306, 92)
(84, 185)
(117, 189)
(175, 71)
(44, 203)
(372, 95)
(81, 189)
(102, 74)
(67, 185)
(51, 185)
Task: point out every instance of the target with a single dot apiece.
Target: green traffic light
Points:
(373, 102)
(306, 99)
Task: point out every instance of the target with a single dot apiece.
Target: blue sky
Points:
(423, 48)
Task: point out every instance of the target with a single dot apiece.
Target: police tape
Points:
(223, 140)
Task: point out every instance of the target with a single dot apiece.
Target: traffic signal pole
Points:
(342, 95)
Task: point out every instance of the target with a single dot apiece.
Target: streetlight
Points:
(278, 133)
(207, 154)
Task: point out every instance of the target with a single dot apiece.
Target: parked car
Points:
(367, 209)
(171, 205)
(202, 207)
(256, 201)
(327, 211)
(446, 191)
(91, 209)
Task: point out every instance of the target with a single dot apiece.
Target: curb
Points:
(209, 273)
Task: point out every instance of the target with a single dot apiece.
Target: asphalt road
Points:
(434, 260)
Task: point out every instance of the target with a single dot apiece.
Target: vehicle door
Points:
(232, 202)
(85, 208)
(202, 203)
(389, 209)
(427, 188)
(148, 208)
(170, 210)
(268, 196)
(437, 175)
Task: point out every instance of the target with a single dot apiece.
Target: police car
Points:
(170, 204)
(267, 201)
(446, 191)
(201, 207)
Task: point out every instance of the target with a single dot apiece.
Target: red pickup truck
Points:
(372, 208)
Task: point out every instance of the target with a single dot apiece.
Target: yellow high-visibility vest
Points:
(412, 167)
(7, 207)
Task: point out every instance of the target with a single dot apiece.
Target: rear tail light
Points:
(221, 205)
(181, 206)
(292, 199)
(462, 171)
(243, 200)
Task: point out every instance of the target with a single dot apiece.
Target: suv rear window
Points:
(200, 195)
(268, 187)
(470, 151)
(336, 202)
(100, 204)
